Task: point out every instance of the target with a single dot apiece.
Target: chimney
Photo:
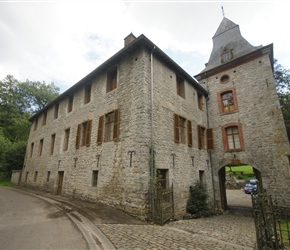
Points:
(128, 39)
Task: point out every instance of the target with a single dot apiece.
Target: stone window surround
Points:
(225, 140)
(220, 102)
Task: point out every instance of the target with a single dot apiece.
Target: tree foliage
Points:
(282, 80)
(197, 202)
(18, 101)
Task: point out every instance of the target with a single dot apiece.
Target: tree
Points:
(282, 80)
(18, 101)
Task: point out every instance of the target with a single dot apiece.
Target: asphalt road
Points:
(27, 222)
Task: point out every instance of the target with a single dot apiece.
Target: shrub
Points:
(197, 202)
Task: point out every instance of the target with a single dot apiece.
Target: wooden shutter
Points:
(209, 139)
(176, 128)
(78, 136)
(189, 133)
(116, 125)
(100, 130)
(88, 133)
(199, 136)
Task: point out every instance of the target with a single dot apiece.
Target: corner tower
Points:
(244, 112)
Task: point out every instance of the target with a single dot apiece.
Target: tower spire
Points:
(223, 11)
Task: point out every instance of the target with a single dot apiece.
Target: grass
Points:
(6, 183)
(235, 171)
(285, 233)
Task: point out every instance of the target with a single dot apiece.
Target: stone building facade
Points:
(245, 113)
(94, 141)
(139, 113)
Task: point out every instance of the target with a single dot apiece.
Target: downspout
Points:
(210, 154)
(152, 170)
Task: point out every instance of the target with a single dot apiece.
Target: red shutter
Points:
(176, 128)
(189, 133)
(116, 125)
(209, 138)
(199, 135)
(88, 133)
(100, 130)
(78, 136)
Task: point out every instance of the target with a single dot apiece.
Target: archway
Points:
(232, 178)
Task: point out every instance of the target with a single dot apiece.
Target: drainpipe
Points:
(210, 154)
(152, 170)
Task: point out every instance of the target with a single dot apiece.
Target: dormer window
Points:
(226, 55)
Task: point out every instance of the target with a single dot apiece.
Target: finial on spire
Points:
(223, 11)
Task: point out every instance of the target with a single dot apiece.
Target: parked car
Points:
(250, 188)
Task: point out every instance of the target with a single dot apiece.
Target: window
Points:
(201, 176)
(31, 149)
(66, 139)
(225, 79)
(44, 118)
(112, 79)
(180, 86)
(56, 107)
(162, 175)
(201, 137)
(40, 146)
(227, 100)
(47, 176)
(88, 93)
(70, 104)
(35, 124)
(226, 55)
(232, 137)
(35, 176)
(52, 144)
(26, 177)
(200, 100)
(109, 122)
(180, 130)
(95, 178)
(84, 134)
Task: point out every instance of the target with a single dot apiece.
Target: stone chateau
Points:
(139, 118)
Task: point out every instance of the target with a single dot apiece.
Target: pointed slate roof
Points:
(228, 38)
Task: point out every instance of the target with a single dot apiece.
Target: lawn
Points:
(6, 183)
(241, 172)
(285, 232)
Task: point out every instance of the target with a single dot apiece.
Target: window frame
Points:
(95, 178)
(180, 86)
(31, 149)
(234, 98)
(56, 110)
(225, 137)
(41, 146)
(88, 93)
(70, 103)
(102, 129)
(66, 139)
(52, 143)
(112, 79)
(44, 119)
(84, 131)
(182, 130)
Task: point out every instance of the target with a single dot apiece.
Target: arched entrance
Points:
(239, 177)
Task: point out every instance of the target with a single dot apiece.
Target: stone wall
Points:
(123, 181)
(259, 115)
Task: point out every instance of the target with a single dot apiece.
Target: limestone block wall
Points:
(177, 157)
(120, 182)
(259, 115)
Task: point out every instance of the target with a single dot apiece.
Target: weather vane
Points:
(223, 11)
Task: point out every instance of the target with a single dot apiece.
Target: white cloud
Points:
(64, 41)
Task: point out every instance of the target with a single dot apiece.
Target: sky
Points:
(63, 41)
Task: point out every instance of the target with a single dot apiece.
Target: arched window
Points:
(227, 100)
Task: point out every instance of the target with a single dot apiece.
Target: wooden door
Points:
(60, 181)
